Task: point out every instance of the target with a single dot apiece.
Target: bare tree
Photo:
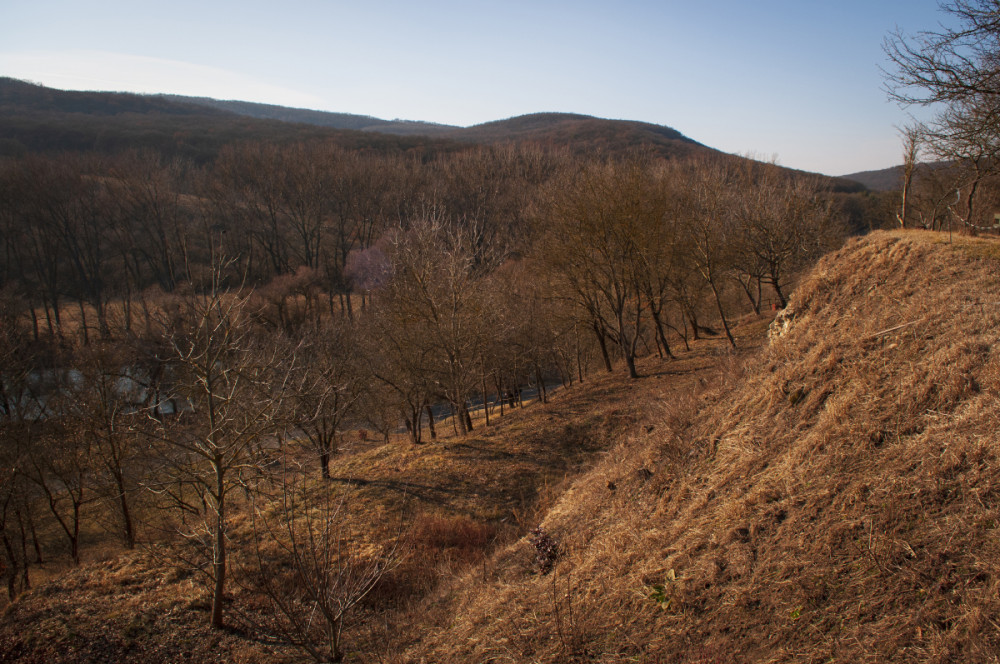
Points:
(20, 414)
(324, 390)
(243, 197)
(912, 135)
(704, 203)
(308, 565)
(63, 239)
(231, 385)
(782, 223)
(597, 221)
(394, 357)
(432, 309)
(105, 405)
(60, 464)
(951, 64)
(955, 69)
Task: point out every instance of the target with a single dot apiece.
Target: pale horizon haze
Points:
(798, 81)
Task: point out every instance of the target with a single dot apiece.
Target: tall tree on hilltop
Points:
(955, 69)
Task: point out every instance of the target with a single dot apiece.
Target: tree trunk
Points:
(782, 300)
(34, 322)
(661, 334)
(629, 346)
(579, 359)
(500, 393)
(129, 528)
(74, 540)
(430, 421)
(604, 347)
(34, 537)
(418, 426)
(11, 571)
(25, 576)
(219, 562)
(458, 419)
(754, 303)
(324, 464)
(486, 404)
(722, 314)
(692, 318)
(83, 322)
(684, 333)
(630, 363)
(541, 385)
(467, 417)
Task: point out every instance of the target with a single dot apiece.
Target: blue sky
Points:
(798, 80)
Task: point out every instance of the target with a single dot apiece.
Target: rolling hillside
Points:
(891, 179)
(579, 132)
(34, 118)
(836, 502)
(582, 133)
(886, 179)
(318, 118)
(832, 497)
(457, 499)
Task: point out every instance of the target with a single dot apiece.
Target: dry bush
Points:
(458, 535)
(434, 547)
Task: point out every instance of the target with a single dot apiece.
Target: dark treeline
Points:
(167, 325)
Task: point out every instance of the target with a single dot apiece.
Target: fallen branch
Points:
(892, 329)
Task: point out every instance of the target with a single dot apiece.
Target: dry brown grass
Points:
(453, 502)
(838, 503)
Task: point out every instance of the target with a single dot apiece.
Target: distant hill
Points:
(891, 179)
(318, 118)
(34, 118)
(580, 133)
(18, 96)
(584, 133)
(543, 124)
(37, 118)
(886, 179)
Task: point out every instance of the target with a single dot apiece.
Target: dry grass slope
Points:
(455, 501)
(838, 501)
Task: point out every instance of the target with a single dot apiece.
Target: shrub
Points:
(546, 549)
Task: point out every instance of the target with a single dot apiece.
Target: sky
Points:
(798, 81)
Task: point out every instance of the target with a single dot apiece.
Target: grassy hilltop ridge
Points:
(836, 502)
